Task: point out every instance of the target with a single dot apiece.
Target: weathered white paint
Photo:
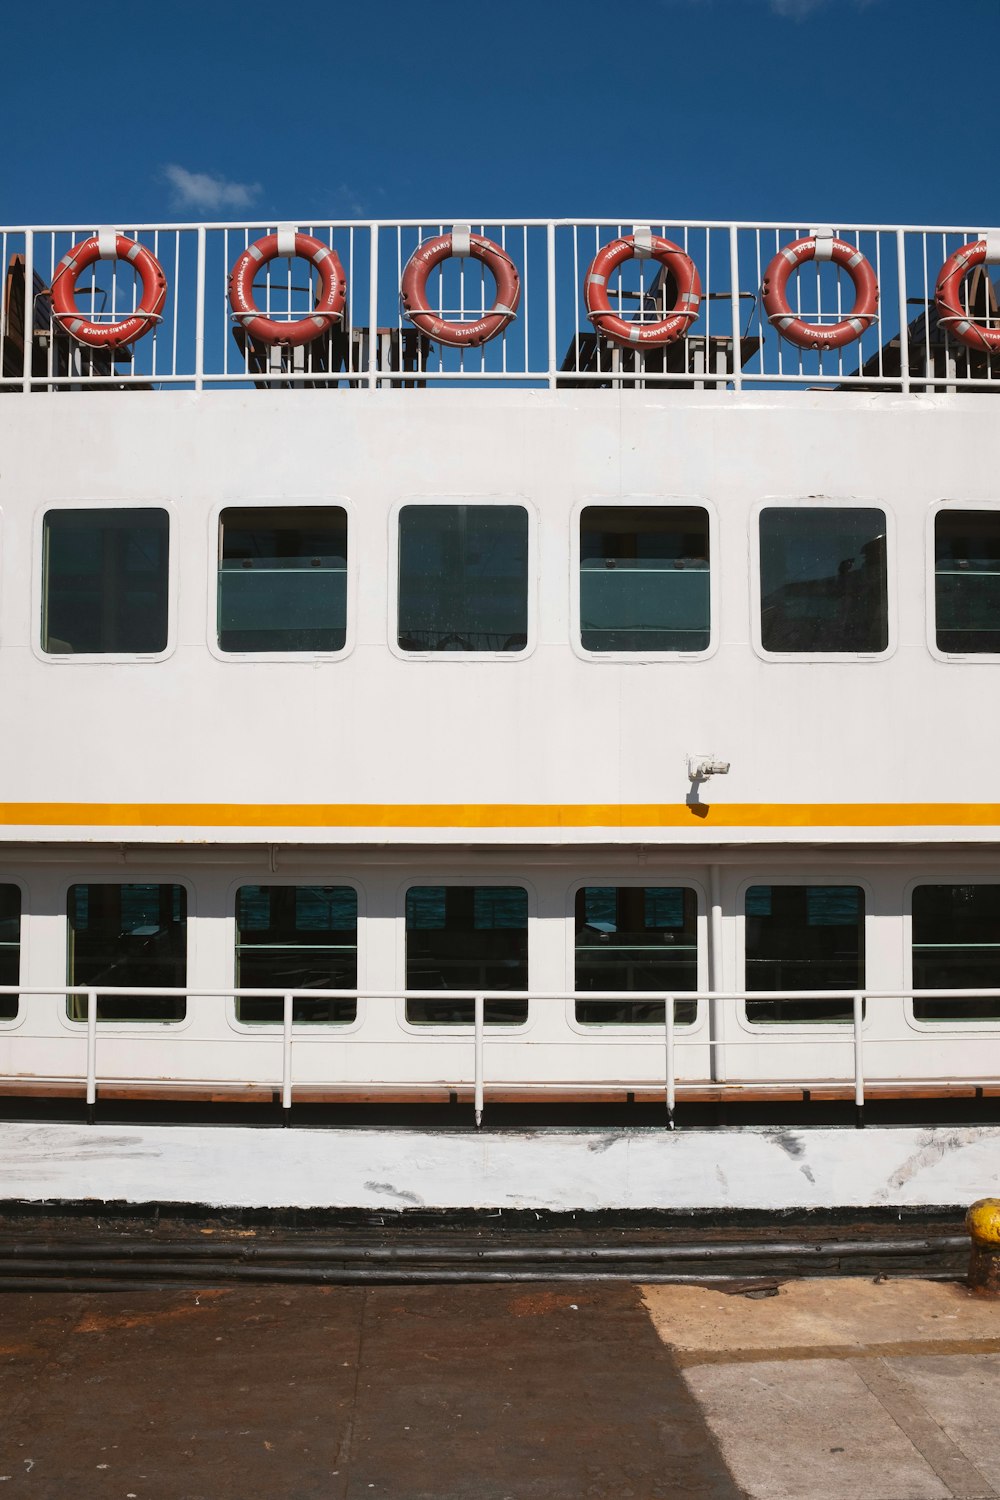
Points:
(559, 1170)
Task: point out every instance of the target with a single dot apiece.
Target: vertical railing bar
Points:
(156, 326)
(928, 357)
(525, 322)
(373, 309)
(199, 314)
(177, 301)
(480, 1018)
(550, 255)
(91, 1054)
(734, 304)
(668, 1018)
(577, 296)
(859, 1065)
(880, 366)
(286, 1056)
(29, 307)
(904, 324)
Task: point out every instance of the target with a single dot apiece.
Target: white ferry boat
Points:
(499, 692)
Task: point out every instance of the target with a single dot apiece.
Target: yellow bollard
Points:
(983, 1223)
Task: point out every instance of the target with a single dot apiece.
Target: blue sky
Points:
(799, 110)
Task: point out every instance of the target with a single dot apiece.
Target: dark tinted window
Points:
(283, 579)
(463, 578)
(636, 938)
(467, 938)
(967, 581)
(122, 935)
(296, 937)
(823, 580)
(644, 579)
(10, 947)
(956, 946)
(804, 937)
(105, 582)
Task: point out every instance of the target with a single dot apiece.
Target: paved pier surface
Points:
(831, 1390)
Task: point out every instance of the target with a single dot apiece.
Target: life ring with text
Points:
(330, 302)
(947, 297)
(811, 335)
(623, 330)
(465, 335)
(108, 335)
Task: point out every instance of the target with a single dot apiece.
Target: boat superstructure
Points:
(542, 722)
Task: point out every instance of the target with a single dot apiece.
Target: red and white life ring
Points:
(947, 297)
(431, 253)
(812, 335)
(108, 335)
(330, 302)
(622, 330)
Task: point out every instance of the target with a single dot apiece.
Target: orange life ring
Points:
(948, 302)
(622, 330)
(811, 335)
(330, 302)
(108, 335)
(413, 290)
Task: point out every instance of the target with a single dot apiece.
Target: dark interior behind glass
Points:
(468, 938)
(10, 947)
(804, 937)
(125, 935)
(283, 578)
(967, 581)
(956, 946)
(105, 582)
(636, 938)
(644, 578)
(296, 937)
(463, 578)
(823, 585)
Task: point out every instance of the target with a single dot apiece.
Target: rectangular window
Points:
(463, 578)
(105, 582)
(804, 937)
(956, 946)
(283, 579)
(122, 935)
(636, 938)
(10, 947)
(967, 581)
(644, 578)
(823, 581)
(293, 938)
(467, 938)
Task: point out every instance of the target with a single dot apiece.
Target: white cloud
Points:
(798, 10)
(207, 191)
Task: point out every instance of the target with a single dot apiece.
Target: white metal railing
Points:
(551, 343)
(481, 1037)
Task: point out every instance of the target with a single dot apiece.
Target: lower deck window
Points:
(636, 938)
(128, 935)
(967, 583)
(470, 939)
(808, 938)
(956, 946)
(293, 938)
(10, 947)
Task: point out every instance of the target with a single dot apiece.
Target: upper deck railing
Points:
(197, 342)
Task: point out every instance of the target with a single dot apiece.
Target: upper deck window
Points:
(636, 938)
(105, 582)
(10, 947)
(127, 935)
(956, 946)
(463, 578)
(293, 938)
(469, 938)
(804, 937)
(823, 580)
(644, 578)
(283, 579)
(967, 581)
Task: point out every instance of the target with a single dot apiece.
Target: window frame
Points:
(623, 1031)
(394, 552)
(448, 1031)
(822, 502)
(100, 658)
(141, 875)
(331, 1031)
(334, 502)
(803, 878)
(952, 1030)
(13, 1022)
(644, 502)
(970, 658)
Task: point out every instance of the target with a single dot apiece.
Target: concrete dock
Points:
(826, 1389)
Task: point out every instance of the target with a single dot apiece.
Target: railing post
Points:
(904, 327)
(286, 1057)
(91, 1056)
(479, 1030)
(199, 314)
(373, 310)
(29, 308)
(551, 255)
(859, 1065)
(734, 302)
(668, 1018)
